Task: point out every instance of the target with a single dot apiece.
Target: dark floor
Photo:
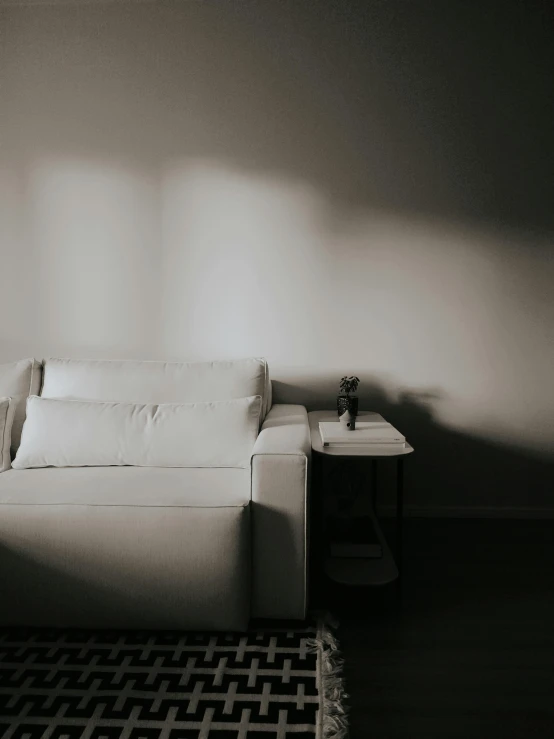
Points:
(469, 652)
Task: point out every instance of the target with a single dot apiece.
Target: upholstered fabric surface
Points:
(156, 554)
(77, 433)
(280, 463)
(127, 486)
(7, 411)
(18, 380)
(155, 547)
(156, 382)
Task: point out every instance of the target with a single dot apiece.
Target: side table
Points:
(363, 571)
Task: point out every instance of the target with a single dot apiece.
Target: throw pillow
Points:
(83, 433)
(7, 412)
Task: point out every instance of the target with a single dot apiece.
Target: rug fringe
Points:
(335, 712)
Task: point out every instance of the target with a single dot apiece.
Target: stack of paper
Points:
(334, 433)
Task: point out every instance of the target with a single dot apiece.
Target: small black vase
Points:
(347, 403)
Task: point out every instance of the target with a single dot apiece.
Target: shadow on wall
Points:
(450, 473)
(439, 110)
(364, 184)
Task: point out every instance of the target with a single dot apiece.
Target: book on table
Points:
(334, 433)
(354, 537)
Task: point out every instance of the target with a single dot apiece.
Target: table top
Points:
(376, 450)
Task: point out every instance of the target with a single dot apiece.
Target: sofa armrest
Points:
(280, 468)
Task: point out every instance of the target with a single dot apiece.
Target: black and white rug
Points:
(266, 684)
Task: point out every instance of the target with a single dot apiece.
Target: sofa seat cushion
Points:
(193, 487)
(125, 548)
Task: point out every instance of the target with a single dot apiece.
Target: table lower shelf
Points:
(364, 570)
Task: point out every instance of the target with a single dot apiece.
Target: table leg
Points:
(399, 510)
(315, 534)
(374, 485)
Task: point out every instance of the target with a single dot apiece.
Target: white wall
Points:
(342, 192)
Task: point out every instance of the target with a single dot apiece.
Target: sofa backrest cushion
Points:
(7, 412)
(82, 433)
(18, 380)
(157, 382)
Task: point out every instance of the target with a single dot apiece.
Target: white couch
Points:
(156, 547)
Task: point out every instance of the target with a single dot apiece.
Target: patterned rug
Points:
(267, 684)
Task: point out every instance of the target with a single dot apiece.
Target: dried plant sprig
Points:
(349, 384)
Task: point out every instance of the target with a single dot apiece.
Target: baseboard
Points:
(422, 511)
